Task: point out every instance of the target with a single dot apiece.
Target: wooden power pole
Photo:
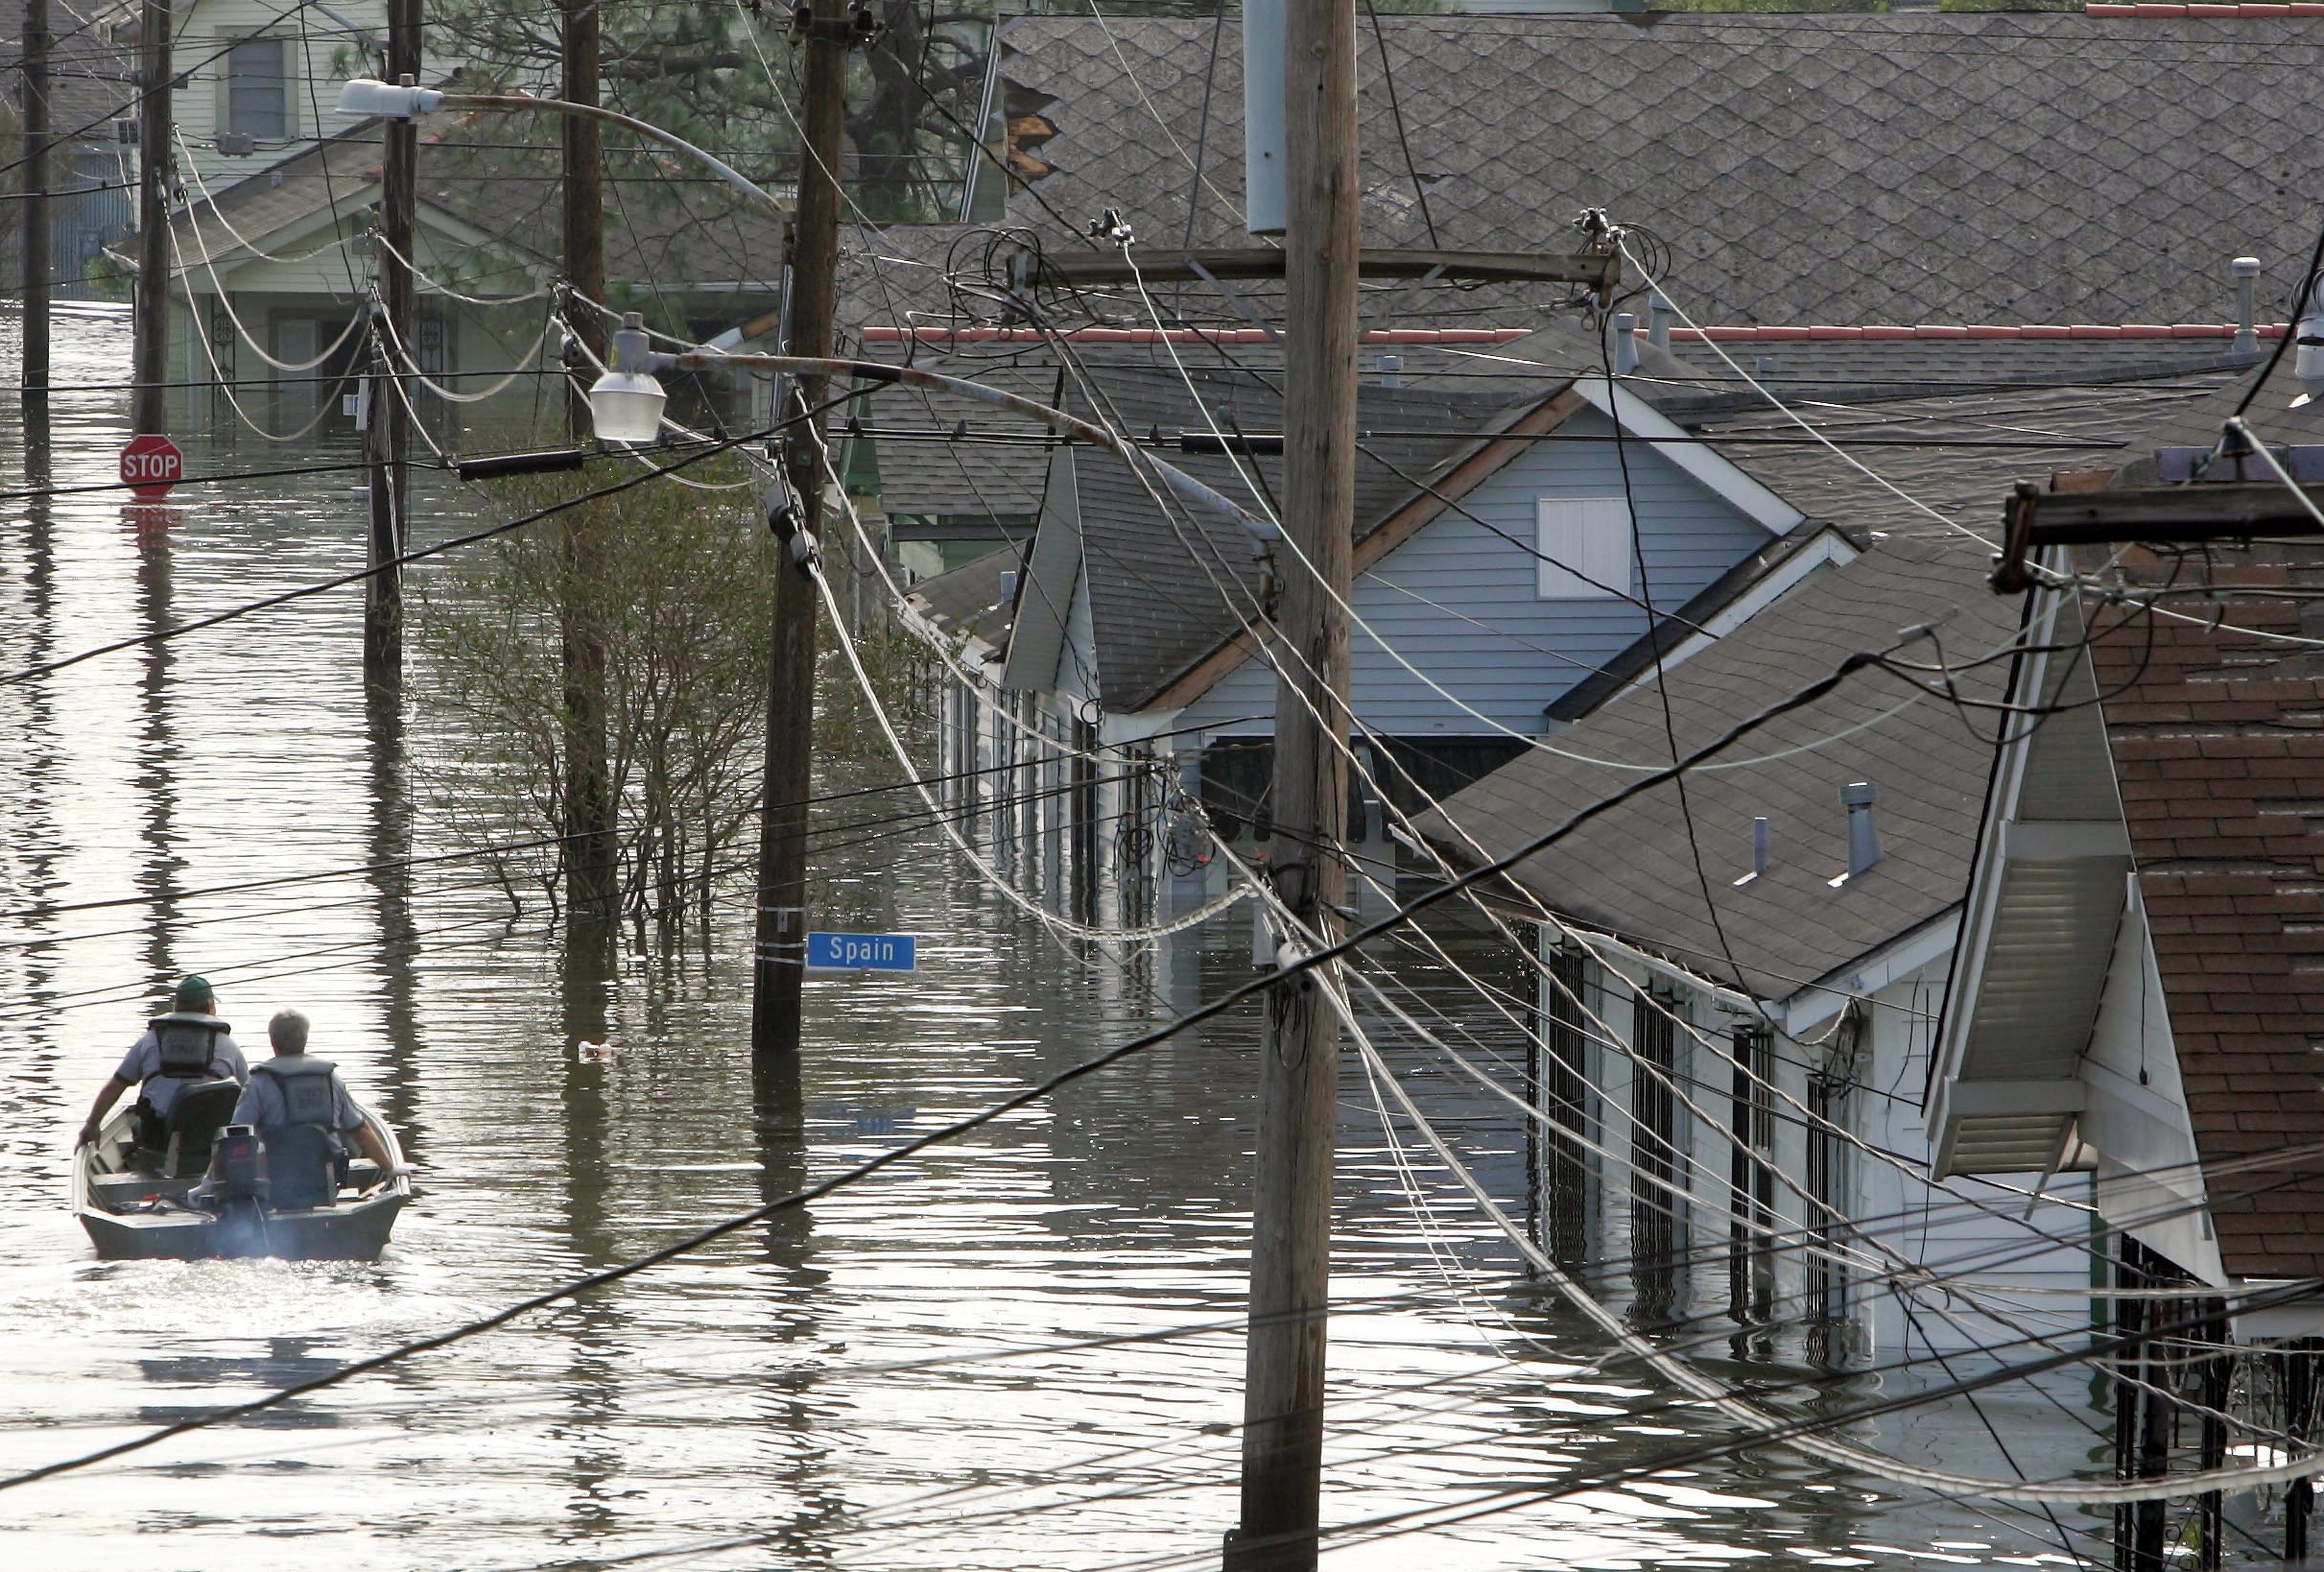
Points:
(779, 960)
(151, 355)
(590, 893)
(38, 260)
(390, 431)
(1299, 1069)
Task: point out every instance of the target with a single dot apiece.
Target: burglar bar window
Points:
(1654, 1156)
(257, 94)
(1827, 1173)
(1751, 1176)
(1560, 1091)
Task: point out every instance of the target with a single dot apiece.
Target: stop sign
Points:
(150, 465)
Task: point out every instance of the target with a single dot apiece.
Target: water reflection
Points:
(155, 776)
(389, 852)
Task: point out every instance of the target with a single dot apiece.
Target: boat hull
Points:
(131, 1216)
(357, 1231)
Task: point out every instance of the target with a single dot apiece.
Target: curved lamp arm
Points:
(369, 97)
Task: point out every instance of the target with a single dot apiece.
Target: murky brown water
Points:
(890, 1381)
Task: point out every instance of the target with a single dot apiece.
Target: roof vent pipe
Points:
(1658, 322)
(1864, 836)
(2307, 354)
(1625, 343)
(1759, 853)
(2246, 271)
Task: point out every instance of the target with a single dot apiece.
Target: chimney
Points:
(1625, 343)
(1391, 370)
(2246, 271)
(1864, 836)
(1658, 322)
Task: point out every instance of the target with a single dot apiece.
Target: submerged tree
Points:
(677, 592)
(674, 593)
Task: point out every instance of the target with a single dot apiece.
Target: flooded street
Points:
(1018, 1351)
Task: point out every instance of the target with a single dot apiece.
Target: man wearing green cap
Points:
(187, 1044)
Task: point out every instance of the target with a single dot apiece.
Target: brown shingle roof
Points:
(2218, 736)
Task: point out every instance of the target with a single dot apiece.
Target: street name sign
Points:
(150, 465)
(861, 952)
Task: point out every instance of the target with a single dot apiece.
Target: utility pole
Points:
(389, 432)
(150, 370)
(1299, 1069)
(779, 960)
(590, 893)
(36, 248)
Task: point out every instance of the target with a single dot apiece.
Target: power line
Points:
(1295, 967)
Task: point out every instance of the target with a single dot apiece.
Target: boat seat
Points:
(201, 1109)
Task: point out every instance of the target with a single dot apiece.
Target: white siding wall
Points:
(1528, 649)
(2027, 1267)
(320, 56)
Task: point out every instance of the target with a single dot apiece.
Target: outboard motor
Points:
(240, 1187)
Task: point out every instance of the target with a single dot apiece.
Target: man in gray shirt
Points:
(304, 1114)
(188, 1044)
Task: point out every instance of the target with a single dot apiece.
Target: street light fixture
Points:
(366, 99)
(625, 403)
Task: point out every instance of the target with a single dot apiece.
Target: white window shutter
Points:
(1586, 541)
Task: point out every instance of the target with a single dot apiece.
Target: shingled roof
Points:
(93, 75)
(2217, 748)
(1909, 167)
(1166, 590)
(1631, 871)
(470, 177)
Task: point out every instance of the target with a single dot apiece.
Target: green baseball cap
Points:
(191, 993)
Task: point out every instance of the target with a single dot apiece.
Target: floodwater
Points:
(1014, 1351)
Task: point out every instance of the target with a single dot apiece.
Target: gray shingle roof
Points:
(1959, 167)
(997, 472)
(1166, 588)
(971, 600)
(90, 82)
(1631, 871)
(694, 234)
(2034, 432)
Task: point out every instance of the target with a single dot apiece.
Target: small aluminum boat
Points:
(140, 1205)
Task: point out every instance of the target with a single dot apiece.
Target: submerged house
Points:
(1735, 985)
(1916, 1025)
(1548, 526)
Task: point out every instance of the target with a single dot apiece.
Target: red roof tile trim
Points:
(1978, 330)
(2145, 8)
(2220, 760)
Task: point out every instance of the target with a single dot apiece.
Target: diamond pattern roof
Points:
(1900, 168)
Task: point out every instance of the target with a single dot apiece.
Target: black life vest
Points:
(308, 1097)
(188, 1044)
